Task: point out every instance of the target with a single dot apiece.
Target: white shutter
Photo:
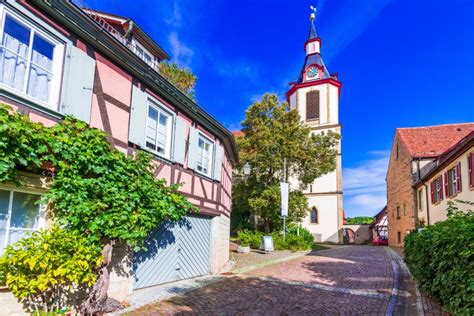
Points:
(138, 117)
(179, 148)
(217, 170)
(193, 147)
(78, 84)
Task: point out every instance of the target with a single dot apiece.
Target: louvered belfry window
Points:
(312, 105)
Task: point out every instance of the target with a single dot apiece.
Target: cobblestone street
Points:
(352, 280)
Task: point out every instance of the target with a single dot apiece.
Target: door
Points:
(175, 251)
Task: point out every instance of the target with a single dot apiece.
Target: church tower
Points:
(316, 97)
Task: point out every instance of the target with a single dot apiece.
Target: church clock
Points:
(312, 72)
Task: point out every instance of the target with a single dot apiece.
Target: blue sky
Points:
(402, 64)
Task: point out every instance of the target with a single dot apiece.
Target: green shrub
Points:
(40, 270)
(250, 238)
(441, 259)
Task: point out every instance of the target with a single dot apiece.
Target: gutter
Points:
(426, 192)
(77, 21)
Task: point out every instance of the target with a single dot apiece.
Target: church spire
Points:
(312, 30)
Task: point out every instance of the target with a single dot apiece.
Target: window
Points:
(396, 153)
(204, 155)
(452, 181)
(437, 190)
(420, 200)
(398, 211)
(404, 209)
(158, 130)
(314, 215)
(312, 105)
(29, 60)
(19, 214)
(399, 237)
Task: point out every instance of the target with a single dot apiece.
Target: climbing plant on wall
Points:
(96, 190)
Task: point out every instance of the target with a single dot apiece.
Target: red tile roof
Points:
(432, 141)
(237, 133)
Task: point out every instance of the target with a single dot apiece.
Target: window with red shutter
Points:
(432, 192)
(470, 173)
(458, 177)
(440, 188)
(446, 184)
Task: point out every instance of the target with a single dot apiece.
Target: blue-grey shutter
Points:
(193, 146)
(138, 117)
(218, 162)
(78, 84)
(179, 140)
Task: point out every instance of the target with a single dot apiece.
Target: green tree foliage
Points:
(42, 270)
(96, 190)
(359, 220)
(182, 78)
(271, 133)
(441, 259)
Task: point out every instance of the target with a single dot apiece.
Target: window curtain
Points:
(13, 62)
(40, 76)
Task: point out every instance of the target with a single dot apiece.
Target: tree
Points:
(96, 191)
(43, 270)
(182, 78)
(359, 220)
(272, 133)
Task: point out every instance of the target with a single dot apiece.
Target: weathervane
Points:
(313, 13)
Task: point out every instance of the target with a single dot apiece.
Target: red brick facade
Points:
(400, 194)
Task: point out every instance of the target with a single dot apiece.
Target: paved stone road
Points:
(353, 280)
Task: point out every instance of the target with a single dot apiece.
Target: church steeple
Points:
(313, 67)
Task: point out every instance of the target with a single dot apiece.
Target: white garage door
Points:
(176, 251)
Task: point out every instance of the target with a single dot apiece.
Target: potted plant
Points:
(243, 248)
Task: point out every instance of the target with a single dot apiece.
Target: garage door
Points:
(176, 251)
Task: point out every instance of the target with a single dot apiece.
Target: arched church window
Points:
(314, 215)
(312, 105)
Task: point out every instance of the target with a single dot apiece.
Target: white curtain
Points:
(13, 56)
(39, 81)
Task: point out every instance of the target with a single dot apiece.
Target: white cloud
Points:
(238, 69)
(175, 19)
(350, 21)
(364, 185)
(181, 53)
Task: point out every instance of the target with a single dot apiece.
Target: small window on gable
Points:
(312, 105)
(314, 215)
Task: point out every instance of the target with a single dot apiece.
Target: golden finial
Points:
(312, 16)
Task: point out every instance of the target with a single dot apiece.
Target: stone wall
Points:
(400, 194)
(362, 233)
(219, 243)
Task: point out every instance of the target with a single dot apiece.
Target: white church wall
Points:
(334, 100)
(326, 230)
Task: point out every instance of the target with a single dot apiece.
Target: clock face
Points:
(312, 72)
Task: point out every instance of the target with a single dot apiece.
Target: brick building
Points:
(414, 153)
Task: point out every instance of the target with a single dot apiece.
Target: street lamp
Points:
(246, 169)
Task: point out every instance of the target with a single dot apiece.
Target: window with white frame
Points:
(204, 155)
(20, 213)
(30, 60)
(158, 131)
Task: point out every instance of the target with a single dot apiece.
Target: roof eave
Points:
(79, 22)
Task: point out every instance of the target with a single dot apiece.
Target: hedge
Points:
(295, 240)
(441, 259)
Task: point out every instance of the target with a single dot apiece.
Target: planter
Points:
(243, 249)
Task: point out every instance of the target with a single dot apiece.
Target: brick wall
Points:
(400, 194)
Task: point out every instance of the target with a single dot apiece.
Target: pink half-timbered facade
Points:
(57, 59)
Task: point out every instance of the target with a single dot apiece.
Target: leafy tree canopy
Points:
(96, 190)
(272, 132)
(359, 220)
(182, 78)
